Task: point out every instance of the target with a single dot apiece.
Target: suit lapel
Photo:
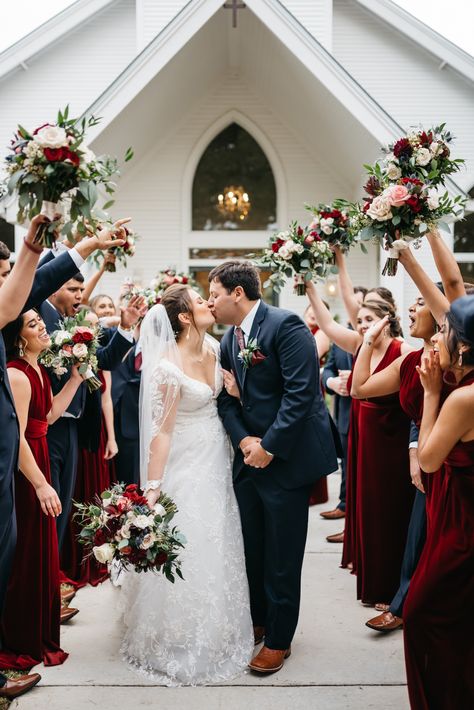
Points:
(238, 366)
(254, 332)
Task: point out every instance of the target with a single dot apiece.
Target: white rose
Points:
(65, 353)
(393, 172)
(159, 510)
(433, 199)
(104, 553)
(435, 149)
(327, 220)
(79, 350)
(51, 137)
(141, 521)
(61, 337)
(299, 249)
(60, 371)
(147, 541)
(123, 533)
(380, 209)
(290, 244)
(422, 156)
(326, 228)
(284, 253)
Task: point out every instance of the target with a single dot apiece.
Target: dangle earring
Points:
(21, 349)
(189, 330)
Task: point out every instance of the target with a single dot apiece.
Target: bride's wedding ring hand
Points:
(230, 383)
(256, 456)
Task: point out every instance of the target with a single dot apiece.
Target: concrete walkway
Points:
(337, 662)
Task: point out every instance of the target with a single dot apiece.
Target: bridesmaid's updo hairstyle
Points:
(382, 309)
(177, 299)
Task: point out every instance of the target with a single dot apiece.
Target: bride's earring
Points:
(189, 330)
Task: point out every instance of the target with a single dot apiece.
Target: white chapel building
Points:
(286, 99)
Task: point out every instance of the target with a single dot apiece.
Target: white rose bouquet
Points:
(74, 344)
(299, 251)
(53, 163)
(121, 526)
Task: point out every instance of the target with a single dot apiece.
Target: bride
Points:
(198, 630)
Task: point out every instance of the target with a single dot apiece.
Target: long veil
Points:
(159, 387)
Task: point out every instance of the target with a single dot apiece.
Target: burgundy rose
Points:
(335, 214)
(131, 488)
(59, 155)
(276, 245)
(414, 204)
(82, 335)
(161, 558)
(316, 236)
(100, 537)
(185, 279)
(411, 181)
(402, 148)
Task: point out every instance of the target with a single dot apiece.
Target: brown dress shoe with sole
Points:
(385, 622)
(333, 514)
(67, 613)
(258, 634)
(337, 537)
(13, 688)
(268, 660)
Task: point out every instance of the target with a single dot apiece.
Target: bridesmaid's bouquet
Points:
(331, 224)
(298, 251)
(52, 165)
(403, 201)
(120, 526)
(74, 344)
(122, 253)
(169, 277)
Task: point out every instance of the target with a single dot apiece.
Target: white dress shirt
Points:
(247, 322)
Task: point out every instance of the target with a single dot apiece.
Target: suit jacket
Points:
(280, 400)
(125, 396)
(337, 360)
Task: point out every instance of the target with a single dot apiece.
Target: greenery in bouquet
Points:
(74, 344)
(120, 526)
(422, 154)
(299, 252)
(52, 165)
(331, 224)
(169, 277)
(122, 253)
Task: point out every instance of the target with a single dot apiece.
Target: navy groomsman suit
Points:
(48, 279)
(63, 434)
(280, 402)
(125, 397)
(337, 360)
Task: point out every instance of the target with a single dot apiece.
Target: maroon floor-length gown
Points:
(348, 550)
(438, 619)
(94, 475)
(30, 622)
(385, 492)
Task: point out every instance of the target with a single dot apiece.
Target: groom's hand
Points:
(256, 456)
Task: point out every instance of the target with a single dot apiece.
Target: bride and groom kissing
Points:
(245, 516)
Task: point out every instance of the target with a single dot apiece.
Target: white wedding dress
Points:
(199, 630)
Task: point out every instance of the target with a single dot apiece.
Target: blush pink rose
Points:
(397, 195)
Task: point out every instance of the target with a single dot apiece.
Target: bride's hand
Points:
(152, 497)
(230, 384)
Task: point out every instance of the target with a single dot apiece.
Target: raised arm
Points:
(47, 496)
(448, 267)
(434, 299)
(347, 289)
(381, 383)
(89, 286)
(347, 339)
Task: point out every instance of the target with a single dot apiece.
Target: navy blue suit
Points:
(48, 279)
(125, 398)
(339, 359)
(63, 434)
(281, 402)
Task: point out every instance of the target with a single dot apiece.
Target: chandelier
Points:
(234, 203)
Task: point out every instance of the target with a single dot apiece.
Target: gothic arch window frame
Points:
(215, 238)
(466, 257)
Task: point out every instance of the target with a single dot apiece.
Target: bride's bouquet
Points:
(298, 251)
(52, 164)
(74, 344)
(403, 201)
(120, 526)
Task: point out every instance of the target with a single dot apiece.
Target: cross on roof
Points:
(234, 6)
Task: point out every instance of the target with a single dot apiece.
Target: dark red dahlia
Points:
(402, 148)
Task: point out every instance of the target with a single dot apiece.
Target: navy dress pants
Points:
(63, 455)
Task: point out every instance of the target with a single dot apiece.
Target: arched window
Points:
(463, 246)
(233, 187)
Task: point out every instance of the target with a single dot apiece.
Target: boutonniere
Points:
(251, 355)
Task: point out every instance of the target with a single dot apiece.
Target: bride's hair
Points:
(177, 299)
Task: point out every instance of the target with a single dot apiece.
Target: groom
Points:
(283, 441)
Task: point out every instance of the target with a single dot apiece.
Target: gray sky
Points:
(454, 19)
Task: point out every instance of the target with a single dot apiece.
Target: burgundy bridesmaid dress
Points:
(30, 622)
(349, 551)
(438, 619)
(319, 492)
(384, 493)
(94, 475)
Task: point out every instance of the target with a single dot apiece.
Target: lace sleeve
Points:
(163, 396)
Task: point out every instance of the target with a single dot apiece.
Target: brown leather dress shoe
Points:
(67, 613)
(258, 634)
(333, 514)
(337, 537)
(68, 596)
(268, 660)
(385, 622)
(13, 688)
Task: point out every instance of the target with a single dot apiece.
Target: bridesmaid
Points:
(379, 458)
(439, 646)
(319, 492)
(95, 474)
(31, 616)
